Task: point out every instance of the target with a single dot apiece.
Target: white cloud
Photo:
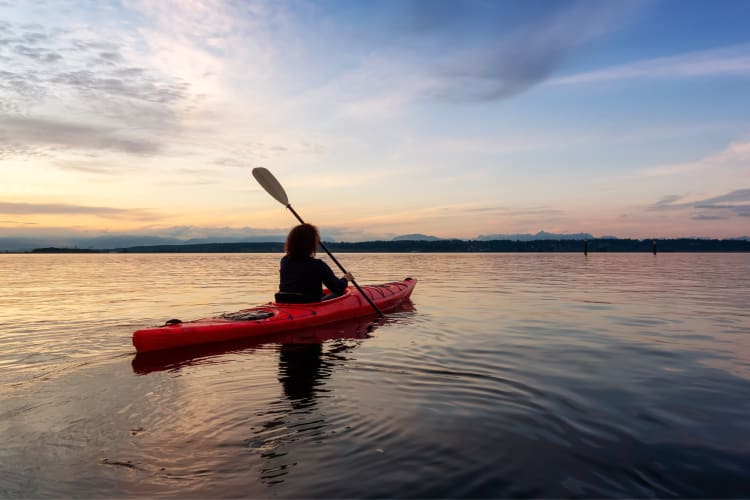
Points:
(726, 61)
(736, 157)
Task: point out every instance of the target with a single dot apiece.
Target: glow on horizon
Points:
(454, 119)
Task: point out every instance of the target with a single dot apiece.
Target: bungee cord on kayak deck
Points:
(247, 315)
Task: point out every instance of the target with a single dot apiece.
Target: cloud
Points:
(9, 208)
(111, 59)
(42, 132)
(129, 83)
(109, 100)
(740, 195)
(725, 61)
(709, 217)
(423, 17)
(733, 204)
(514, 212)
(667, 203)
(38, 54)
(513, 63)
(19, 90)
(93, 163)
(18, 222)
(454, 52)
(735, 156)
(250, 153)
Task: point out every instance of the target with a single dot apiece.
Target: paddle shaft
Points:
(322, 245)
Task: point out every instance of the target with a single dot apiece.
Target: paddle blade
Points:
(270, 184)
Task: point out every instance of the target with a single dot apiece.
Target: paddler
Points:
(302, 276)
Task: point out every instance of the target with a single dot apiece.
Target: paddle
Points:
(272, 187)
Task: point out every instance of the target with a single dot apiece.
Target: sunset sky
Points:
(455, 119)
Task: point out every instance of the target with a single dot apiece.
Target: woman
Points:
(302, 276)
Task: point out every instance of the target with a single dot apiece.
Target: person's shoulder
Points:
(320, 263)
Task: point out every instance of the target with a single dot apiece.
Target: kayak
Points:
(361, 327)
(273, 317)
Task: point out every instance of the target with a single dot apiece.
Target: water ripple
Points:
(531, 375)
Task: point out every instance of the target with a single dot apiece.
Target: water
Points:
(539, 375)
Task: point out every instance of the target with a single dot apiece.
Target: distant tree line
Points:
(462, 246)
(64, 250)
(594, 245)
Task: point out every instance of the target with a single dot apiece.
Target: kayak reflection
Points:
(289, 428)
(174, 359)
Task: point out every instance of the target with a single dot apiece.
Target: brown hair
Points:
(302, 241)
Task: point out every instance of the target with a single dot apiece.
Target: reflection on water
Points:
(536, 375)
(306, 358)
(299, 371)
(303, 368)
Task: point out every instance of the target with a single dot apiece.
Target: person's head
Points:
(302, 241)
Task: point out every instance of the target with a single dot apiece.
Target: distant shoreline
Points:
(444, 246)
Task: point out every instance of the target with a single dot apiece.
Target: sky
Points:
(382, 118)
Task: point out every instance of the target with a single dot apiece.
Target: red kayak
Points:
(272, 318)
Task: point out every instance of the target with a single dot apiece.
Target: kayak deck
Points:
(273, 318)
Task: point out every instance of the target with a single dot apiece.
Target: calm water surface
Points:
(535, 375)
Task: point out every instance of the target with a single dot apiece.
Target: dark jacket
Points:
(307, 276)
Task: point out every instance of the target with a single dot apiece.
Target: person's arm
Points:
(334, 284)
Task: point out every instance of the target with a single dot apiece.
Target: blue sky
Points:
(455, 119)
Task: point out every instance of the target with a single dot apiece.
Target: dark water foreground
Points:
(509, 375)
